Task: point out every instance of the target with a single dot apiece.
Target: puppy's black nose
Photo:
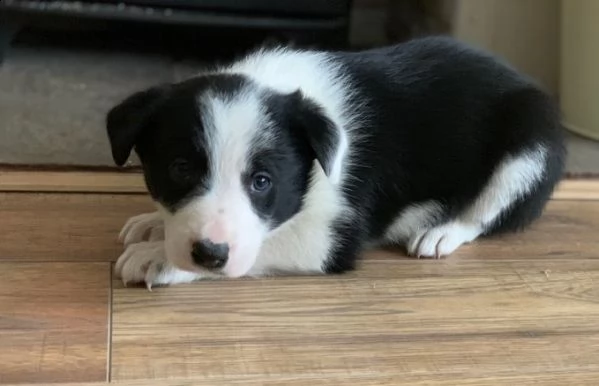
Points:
(209, 255)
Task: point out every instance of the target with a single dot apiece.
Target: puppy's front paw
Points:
(442, 240)
(145, 262)
(147, 226)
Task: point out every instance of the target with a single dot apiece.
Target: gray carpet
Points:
(53, 101)
(583, 156)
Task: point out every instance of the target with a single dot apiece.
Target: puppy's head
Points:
(227, 161)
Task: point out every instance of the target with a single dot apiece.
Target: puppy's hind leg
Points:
(513, 181)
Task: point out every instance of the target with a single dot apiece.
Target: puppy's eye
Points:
(261, 182)
(181, 171)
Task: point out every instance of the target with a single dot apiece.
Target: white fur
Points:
(411, 220)
(442, 240)
(302, 244)
(513, 178)
(224, 214)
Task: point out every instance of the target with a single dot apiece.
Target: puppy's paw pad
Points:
(442, 240)
(147, 226)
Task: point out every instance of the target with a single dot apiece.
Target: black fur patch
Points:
(441, 116)
(288, 159)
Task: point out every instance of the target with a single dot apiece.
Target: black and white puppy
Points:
(295, 161)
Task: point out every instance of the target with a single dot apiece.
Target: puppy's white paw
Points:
(442, 240)
(147, 226)
(145, 262)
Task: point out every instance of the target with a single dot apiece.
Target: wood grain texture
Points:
(552, 378)
(521, 322)
(519, 308)
(71, 181)
(65, 227)
(54, 322)
(577, 189)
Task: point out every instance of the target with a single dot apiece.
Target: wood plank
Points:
(483, 326)
(71, 181)
(553, 378)
(54, 322)
(132, 182)
(65, 227)
(578, 189)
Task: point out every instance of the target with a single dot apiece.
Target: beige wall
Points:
(525, 32)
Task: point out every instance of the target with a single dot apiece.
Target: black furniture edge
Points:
(14, 13)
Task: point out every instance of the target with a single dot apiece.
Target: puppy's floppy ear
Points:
(322, 134)
(125, 121)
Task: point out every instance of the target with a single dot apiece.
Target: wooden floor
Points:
(521, 309)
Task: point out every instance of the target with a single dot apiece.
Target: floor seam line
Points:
(110, 322)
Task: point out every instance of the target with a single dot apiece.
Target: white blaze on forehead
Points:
(233, 126)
